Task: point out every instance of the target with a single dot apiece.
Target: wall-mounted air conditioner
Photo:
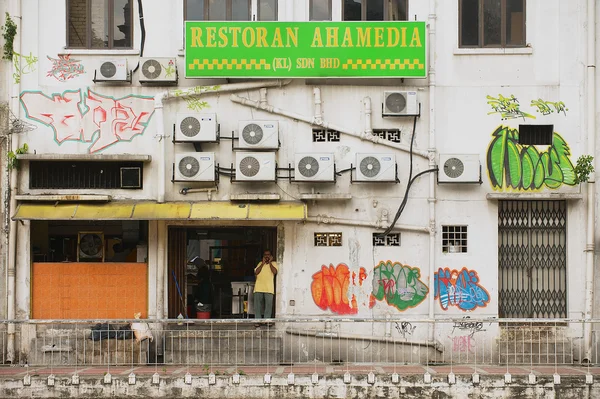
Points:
(259, 135)
(314, 167)
(255, 166)
(158, 70)
(194, 127)
(113, 70)
(463, 168)
(375, 168)
(195, 166)
(400, 103)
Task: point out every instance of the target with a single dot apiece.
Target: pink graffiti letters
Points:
(463, 343)
(65, 68)
(460, 289)
(90, 117)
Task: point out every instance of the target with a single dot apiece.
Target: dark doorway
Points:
(211, 269)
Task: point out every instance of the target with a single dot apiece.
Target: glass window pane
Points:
(375, 10)
(469, 29)
(122, 23)
(515, 23)
(217, 10)
(320, 10)
(194, 10)
(492, 22)
(352, 10)
(77, 23)
(99, 12)
(240, 11)
(398, 10)
(267, 10)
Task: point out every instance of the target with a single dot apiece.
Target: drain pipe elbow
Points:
(368, 113)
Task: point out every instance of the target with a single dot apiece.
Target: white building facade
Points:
(504, 110)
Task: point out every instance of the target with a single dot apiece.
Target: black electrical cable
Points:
(339, 172)
(143, 29)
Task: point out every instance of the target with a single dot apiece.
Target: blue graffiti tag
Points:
(460, 289)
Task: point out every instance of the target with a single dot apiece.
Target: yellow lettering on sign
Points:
(277, 42)
(317, 39)
(211, 31)
(332, 37)
(196, 35)
(248, 37)
(347, 42)
(261, 37)
(235, 33)
(223, 36)
(292, 36)
(416, 38)
(379, 37)
(393, 37)
(403, 37)
(364, 37)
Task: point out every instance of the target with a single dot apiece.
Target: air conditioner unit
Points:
(90, 245)
(314, 167)
(255, 166)
(195, 166)
(459, 168)
(259, 134)
(400, 103)
(194, 127)
(113, 70)
(158, 70)
(375, 168)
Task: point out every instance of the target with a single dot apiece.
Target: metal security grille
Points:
(532, 259)
(79, 174)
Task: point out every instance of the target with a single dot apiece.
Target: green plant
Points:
(9, 31)
(583, 168)
(13, 162)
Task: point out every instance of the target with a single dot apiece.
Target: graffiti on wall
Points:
(511, 165)
(64, 68)
(193, 97)
(510, 107)
(330, 288)
(23, 64)
(399, 285)
(89, 117)
(460, 289)
(463, 343)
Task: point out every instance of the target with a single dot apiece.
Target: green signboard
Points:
(305, 49)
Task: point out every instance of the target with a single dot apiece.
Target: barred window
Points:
(328, 239)
(390, 240)
(454, 239)
(325, 135)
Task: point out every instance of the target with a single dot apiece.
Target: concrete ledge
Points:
(326, 197)
(86, 157)
(253, 386)
(534, 196)
(58, 198)
(255, 197)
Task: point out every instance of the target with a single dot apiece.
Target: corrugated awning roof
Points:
(217, 210)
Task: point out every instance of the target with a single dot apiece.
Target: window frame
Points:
(310, 11)
(228, 10)
(480, 27)
(88, 27)
(386, 10)
(258, 11)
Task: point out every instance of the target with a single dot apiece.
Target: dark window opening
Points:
(492, 23)
(99, 24)
(454, 239)
(85, 175)
(375, 10)
(224, 10)
(320, 10)
(536, 134)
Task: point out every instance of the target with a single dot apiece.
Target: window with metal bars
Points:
(325, 135)
(390, 240)
(84, 175)
(393, 135)
(454, 239)
(328, 239)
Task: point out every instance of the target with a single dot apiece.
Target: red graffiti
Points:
(330, 289)
(90, 117)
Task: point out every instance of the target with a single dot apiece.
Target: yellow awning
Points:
(214, 210)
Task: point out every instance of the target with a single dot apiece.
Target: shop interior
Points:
(218, 278)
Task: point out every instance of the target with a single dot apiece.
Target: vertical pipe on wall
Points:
(591, 186)
(162, 151)
(432, 152)
(318, 106)
(15, 8)
(368, 113)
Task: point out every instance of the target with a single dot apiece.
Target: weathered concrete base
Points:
(331, 386)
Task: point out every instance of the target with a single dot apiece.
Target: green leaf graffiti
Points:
(399, 285)
(522, 167)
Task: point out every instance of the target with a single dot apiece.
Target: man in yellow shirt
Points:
(264, 288)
